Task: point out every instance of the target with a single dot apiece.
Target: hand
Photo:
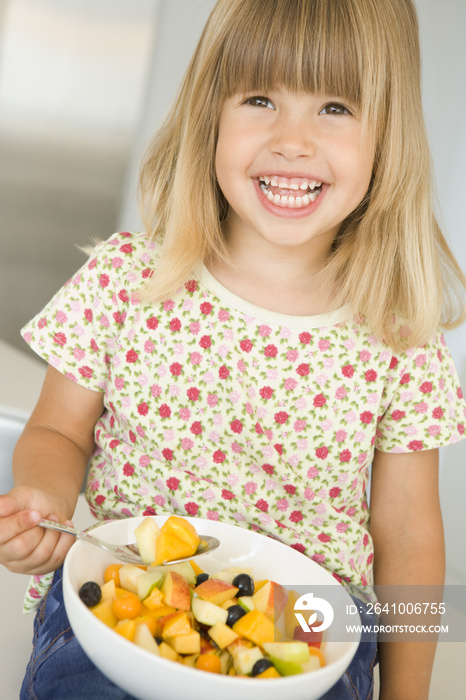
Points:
(24, 547)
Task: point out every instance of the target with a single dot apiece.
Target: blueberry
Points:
(260, 666)
(90, 593)
(234, 614)
(200, 578)
(245, 584)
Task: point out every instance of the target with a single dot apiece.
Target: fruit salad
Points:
(224, 622)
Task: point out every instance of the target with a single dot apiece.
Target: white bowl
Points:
(149, 677)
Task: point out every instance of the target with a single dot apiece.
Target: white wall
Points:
(442, 26)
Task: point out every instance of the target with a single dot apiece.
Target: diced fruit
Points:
(228, 603)
(297, 652)
(127, 629)
(258, 584)
(260, 666)
(289, 614)
(245, 585)
(108, 590)
(177, 624)
(147, 582)
(316, 653)
(209, 662)
(244, 660)
(177, 539)
(247, 603)
(190, 660)
(230, 572)
(270, 672)
(271, 600)
(256, 627)
(146, 535)
(176, 590)
(234, 613)
(207, 613)
(167, 652)
(90, 593)
(126, 606)
(238, 645)
(312, 665)
(183, 567)
(105, 613)
(312, 638)
(154, 600)
(186, 643)
(222, 635)
(216, 591)
(287, 668)
(144, 639)
(149, 621)
(196, 568)
(129, 575)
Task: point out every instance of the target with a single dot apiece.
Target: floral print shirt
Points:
(220, 409)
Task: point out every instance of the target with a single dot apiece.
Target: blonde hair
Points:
(389, 255)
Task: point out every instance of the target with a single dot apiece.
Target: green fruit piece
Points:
(295, 652)
(286, 668)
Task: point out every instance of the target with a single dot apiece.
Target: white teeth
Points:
(304, 186)
(291, 201)
(274, 183)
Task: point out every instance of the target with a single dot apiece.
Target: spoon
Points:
(129, 553)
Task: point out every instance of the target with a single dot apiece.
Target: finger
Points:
(43, 557)
(14, 525)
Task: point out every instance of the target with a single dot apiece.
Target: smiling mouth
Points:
(295, 193)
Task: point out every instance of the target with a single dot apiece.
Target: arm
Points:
(49, 465)
(406, 526)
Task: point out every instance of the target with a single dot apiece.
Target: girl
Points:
(271, 334)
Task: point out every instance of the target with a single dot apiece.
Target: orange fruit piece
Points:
(209, 662)
(127, 606)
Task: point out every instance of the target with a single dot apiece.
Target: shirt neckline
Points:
(275, 318)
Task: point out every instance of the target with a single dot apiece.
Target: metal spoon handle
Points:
(50, 525)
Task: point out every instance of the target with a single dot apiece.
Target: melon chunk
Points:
(146, 535)
(177, 539)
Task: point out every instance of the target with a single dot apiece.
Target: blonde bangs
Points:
(308, 47)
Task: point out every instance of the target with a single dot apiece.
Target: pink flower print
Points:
(59, 339)
(226, 494)
(214, 437)
(309, 494)
(174, 390)
(411, 430)
(262, 505)
(264, 331)
(187, 444)
(128, 470)
(144, 461)
(206, 308)
(223, 372)
(246, 345)
(152, 323)
(281, 417)
(61, 317)
(359, 436)
(218, 419)
(143, 409)
(318, 558)
(321, 507)
(131, 356)
(271, 351)
(219, 456)
(362, 458)
(236, 448)
(282, 504)
(292, 355)
(323, 345)
(342, 527)
(149, 346)
(459, 393)
(268, 468)
(426, 387)
(334, 492)
(347, 371)
(328, 362)
(205, 341)
(326, 425)
(341, 435)
(176, 369)
(195, 327)
(437, 413)
(117, 262)
(420, 360)
(86, 372)
(168, 454)
(405, 379)
(236, 426)
(421, 407)
(185, 414)
(164, 411)
(460, 428)
(191, 508)
(193, 393)
(266, 392)
(78, 354)
(433, 430)
(303, 445)
(212, 400)
(195, 358)
(159, 501)
(290, 384)
(415, 445)
(296, 516)
(241, 366)
(285, 333)
(366, 417)
(250, 487)
(340, 392)
(155, 390)
(42, 323)
(321, 453)
(299, 425)
(319, 401)
(305, 338)
(323, 537)
(175, 325)
(223, 315)
(168, 305)
(104, 280)
(343, 478)
(365, 356)
(303, 370)
(370, 375)
(196, 428)
(398, 415)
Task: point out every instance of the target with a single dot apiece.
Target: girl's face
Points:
(291, 166)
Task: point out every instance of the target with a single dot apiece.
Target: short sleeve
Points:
(77, 330)
(425, 405)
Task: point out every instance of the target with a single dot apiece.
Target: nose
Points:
(293, 136)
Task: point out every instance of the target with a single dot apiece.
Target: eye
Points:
(259, 101)
(335, 108)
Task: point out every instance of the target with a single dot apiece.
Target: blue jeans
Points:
(60, 670)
